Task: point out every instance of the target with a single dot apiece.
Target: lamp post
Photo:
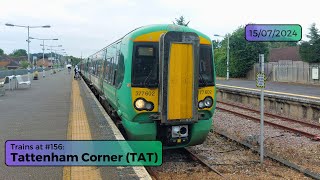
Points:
(28, 40)
(43, 71)
(53, 61)
(51, 55)
(228, 48)
(57, 56)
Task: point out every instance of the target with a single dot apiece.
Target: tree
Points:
(1, 52)
(181, 21)
(314, 33)
(310, 50)
(24, 64)
(216, 44)
(74, 60)
(19, 52)
(281, 44)
(243, 54)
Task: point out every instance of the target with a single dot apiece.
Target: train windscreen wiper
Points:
(146, 81)
(202, 79)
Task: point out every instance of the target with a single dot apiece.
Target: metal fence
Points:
(289, 71)
(11, 72)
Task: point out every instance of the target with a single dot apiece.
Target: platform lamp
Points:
(58, 57)
(55, 39)
(28, 40)
(228, 48)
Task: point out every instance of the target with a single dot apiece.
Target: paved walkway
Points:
(57, 108)
(37, 113)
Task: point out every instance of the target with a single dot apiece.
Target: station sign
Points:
(315, 73)
(261, 80)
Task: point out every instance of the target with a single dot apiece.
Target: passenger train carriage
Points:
(158, 81)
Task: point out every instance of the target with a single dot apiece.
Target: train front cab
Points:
(174, 89)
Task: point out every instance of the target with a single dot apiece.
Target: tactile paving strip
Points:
(78, 129)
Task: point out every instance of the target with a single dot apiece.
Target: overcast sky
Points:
(86, 26)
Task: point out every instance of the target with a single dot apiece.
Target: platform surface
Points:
(287, 89)
(56, 108)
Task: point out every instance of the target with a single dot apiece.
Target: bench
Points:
(9, 82)
(20, 81)
(2, 89)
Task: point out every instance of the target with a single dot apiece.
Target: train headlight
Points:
(201, 105)
(139, 104)
(179, 131)
(208, 101)
(149, 106)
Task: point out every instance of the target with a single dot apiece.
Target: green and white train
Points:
(158, 81)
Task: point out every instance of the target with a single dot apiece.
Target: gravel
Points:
(237, 162)
(292, 147)
(177, 164)
(231, 159)
(295, 125)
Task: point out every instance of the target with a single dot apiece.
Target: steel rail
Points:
(195, 156)
(296, 167)
(152, 173)
(309, 135)
(273, 115)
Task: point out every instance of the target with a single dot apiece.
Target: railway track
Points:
(197, 158)
(194, 157)
(275, 121)
(296, 167)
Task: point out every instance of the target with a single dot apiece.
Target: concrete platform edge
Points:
(141, 172)
(270, 95)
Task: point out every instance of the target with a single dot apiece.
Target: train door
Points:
(179, 76)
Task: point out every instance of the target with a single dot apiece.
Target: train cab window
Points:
(206, 66)
(145, 65)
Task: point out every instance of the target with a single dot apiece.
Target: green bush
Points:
(243, 55)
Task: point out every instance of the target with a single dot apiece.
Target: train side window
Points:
(91, 66)
(107, 69)
(95, 68)
(114, 70)
(120, 71)
(98, 67)
(111, 70)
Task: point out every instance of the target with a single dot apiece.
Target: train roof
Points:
(162, 27)
(153, 28)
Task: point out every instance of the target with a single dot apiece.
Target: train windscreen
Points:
(205, 66)
(145, 65)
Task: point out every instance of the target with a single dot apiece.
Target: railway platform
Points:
(284, 89)
(293, 100)
(58, 108)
